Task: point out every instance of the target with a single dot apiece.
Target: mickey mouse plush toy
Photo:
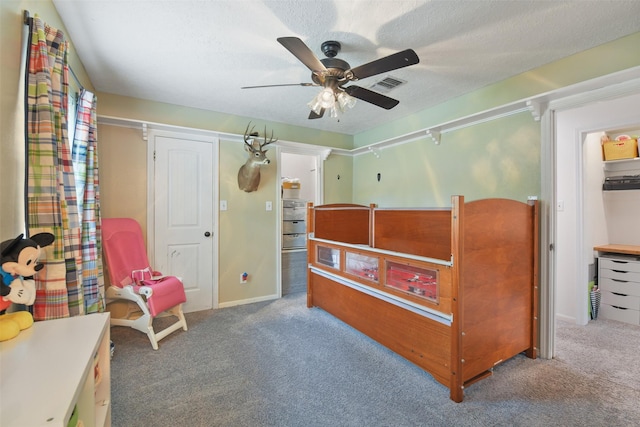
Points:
(19, 262)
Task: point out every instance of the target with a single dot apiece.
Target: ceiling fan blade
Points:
(285, 84)
(388, 63)
(302, 52)
(313, 115)
(372, 97)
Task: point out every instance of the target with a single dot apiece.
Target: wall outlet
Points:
(244, 277)
(223, 205)
(268, 206)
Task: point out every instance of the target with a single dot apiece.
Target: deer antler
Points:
(270, 141)
(247, 134)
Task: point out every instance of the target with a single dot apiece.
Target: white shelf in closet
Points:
(622, 165)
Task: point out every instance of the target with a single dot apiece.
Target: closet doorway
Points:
(296, 168)
(580, 208)
(567, 123)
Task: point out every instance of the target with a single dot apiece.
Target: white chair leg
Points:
(177, 311)
(152, 337)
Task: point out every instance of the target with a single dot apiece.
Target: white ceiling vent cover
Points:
(387, 84)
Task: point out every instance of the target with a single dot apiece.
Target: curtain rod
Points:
(28, 20)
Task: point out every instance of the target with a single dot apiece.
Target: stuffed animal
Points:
(19, 263)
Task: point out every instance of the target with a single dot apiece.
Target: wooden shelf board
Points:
(619, 249)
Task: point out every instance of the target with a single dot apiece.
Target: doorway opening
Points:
(568, 124)
(300, 174)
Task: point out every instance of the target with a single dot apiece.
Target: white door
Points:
(183, 215)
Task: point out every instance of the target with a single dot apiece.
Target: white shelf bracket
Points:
(536, 109)
(144, 132)
(434, 135)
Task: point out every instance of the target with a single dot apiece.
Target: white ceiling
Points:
(200, 53)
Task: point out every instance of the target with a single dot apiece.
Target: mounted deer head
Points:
(249, 173)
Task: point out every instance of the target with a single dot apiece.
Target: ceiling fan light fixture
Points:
(325, 99)
(314, 104)
(346, 101)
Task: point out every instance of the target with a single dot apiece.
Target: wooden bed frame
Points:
(453, 290)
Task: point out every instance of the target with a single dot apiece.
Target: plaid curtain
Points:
(51, 202)
(85, 162)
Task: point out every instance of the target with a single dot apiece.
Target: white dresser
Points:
(57, 373)
(619, 283)
(294, 225)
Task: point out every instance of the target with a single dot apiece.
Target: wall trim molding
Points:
(614, 84)
(145, 127)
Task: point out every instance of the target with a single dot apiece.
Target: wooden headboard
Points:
(347, 223)
(422, 232)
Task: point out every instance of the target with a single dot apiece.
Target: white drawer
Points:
(294, 227)
(620, 314)
(619, 264)
(626, 276)
(294, 240)
(620, 300)
(294, 214)
(619, 286)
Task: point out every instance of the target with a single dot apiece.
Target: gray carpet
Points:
(281, 364)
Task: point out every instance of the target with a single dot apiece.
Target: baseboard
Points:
(248, 301)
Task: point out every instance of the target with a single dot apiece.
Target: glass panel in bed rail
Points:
(362, 266)
(328, 256)
(417, 281)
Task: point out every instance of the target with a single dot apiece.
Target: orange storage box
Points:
(617, 150)
(291, 185)
(291, 189)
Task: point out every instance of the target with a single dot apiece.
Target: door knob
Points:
(207, 234)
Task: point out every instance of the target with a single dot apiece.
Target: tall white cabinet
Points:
(57, 373)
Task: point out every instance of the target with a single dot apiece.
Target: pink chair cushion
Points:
(167, 293)
(125, 252)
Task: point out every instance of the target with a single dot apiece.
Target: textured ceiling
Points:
(200, 53)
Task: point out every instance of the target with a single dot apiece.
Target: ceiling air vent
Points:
(387, 84)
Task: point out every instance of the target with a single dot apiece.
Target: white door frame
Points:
(212, 138)
(549, 167)
(320, 154)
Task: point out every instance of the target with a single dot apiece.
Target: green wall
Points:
(496, 159)
(248, 239)
(338, 179)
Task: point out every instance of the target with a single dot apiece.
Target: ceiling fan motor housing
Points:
(335, 69)
(330, 48)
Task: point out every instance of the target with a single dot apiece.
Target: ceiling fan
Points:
(333, 74)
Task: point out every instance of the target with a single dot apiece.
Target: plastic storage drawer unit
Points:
(619, 282)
